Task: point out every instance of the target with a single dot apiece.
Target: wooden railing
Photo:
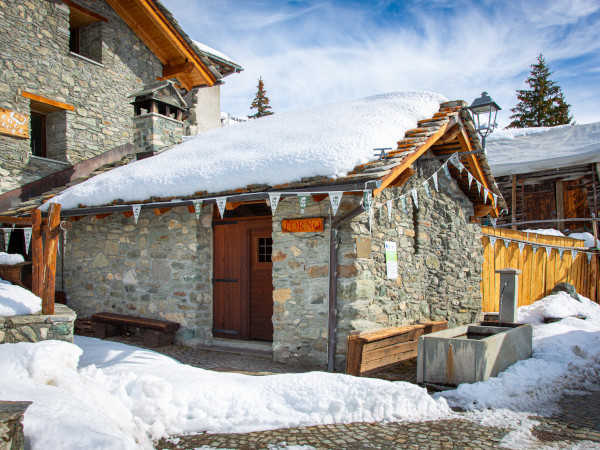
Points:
(540, 272)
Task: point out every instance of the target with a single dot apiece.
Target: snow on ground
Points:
(16, 301)
(113, 396)
(516, 151)
(327, 140)
(11, 258)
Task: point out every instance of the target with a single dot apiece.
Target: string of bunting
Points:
(8, 232)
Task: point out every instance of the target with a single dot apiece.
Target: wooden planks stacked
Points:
(375, 350)
(540, 272)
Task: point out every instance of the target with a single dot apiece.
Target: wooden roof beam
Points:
(178, 69)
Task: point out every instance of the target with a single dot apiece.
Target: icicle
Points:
(136, 212)
(197, 207)
(221, 203)
(274, 200)
(335, 198)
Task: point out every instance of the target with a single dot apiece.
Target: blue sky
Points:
(314, 52)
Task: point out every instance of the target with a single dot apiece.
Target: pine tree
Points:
(543, 105)
(261, 101)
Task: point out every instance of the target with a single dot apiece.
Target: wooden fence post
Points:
(50, 250)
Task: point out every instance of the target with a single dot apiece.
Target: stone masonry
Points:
(154, 132)
(38, 327)
(159, 268)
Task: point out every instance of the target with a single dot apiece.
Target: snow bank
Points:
(565, 354)
(525, 150)
(328, 140)
(16, 301)
(11, 258)
(112, 396)
(588, 238)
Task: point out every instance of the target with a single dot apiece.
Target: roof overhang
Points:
(179, 59)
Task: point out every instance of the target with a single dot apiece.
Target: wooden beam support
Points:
(73, 5)
(47, 101)
(50, 251)
(16, 220)
(171, 71)
(37, 252)
(403, 178)
(388, 179)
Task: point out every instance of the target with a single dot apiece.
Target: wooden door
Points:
(261, 281)
(243, 280)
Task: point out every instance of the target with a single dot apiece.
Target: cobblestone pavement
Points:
(577, 423)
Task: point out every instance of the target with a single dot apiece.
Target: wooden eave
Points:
(179, 59)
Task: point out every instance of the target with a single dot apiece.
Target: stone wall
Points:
(38, 327)
(155, 132)
(36, 58)
(159, 268)
(12, 436)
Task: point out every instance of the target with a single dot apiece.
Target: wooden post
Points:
(595, 228)
(513, 205)
(560, 205)
(50, 250)
(37, 252)
(594, 278)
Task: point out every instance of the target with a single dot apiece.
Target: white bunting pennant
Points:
(454, 160)
(389, 208)
(446, 171)
(470, 177)
(27, 232)
(435, 182)
(461, 167)
(589, 255)
(494, 220)
(493, 241)
(485, 195)
(403, 204)
(506, 243)
(274, 200)
(479, 186)
(535, 249)
(495, 197)
(415, 198)
(335, 198)
(574, 254)
(521, 246)
(136, 212)
(367, 200)
(561, 251)
(197, 207)
(548, 251)
(427, 191)
(7, 232)
(221, 203)
(303, 199)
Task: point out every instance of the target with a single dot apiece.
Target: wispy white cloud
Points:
(311, 53)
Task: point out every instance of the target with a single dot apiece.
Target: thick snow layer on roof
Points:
(516, 151)
(327, 140)
(16, 301)
(211, 51)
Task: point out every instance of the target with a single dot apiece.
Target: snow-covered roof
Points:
(329, 140)
(216, 53)
(516, 151)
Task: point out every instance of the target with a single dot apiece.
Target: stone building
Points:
(297, 281)
(68, 69)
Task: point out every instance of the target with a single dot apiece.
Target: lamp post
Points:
(482, 107)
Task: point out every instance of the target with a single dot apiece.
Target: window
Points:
(265, 248)
(37, 132)
(85, 32)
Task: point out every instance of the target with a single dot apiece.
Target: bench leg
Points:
(153, 338)
(102, 330)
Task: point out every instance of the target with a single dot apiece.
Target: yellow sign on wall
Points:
(13, 124)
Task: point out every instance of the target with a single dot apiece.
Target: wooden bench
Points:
(156, 332)
(371, 351)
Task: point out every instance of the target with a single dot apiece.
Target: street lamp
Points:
(481, 107)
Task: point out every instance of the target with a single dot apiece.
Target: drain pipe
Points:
(333, 266)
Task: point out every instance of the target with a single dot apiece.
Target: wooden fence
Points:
(540, 272)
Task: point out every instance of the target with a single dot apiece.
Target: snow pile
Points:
(526, 150)
(545, 232)
(328, 140)
(16, 301)
(588, 238)
(565, 354)
(120, 396)
(11, 258)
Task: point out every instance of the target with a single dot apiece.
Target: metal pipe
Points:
(547, 221)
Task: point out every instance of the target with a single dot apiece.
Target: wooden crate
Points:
(371, 351)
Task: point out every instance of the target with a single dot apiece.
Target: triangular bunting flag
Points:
(427, 191)
(560, 252)
(494, 220)
(403, 204)
(574, 254)
(485, 195)
(589, 255)
(493, 241)
(303, 199)
(495, 197)
(389, 208)
(274, 200)
(335, 198)
(506, 242)
(7, 232)
(197, 207)
(548, 251)
(535, 249)
(479, 186)
(446, 170)
(461, 167)
(415, 198)
(470, 177)
(521, 246)
(435, 182)
(27, 232)
(136, 212)
(367, 200)
(221, 203)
